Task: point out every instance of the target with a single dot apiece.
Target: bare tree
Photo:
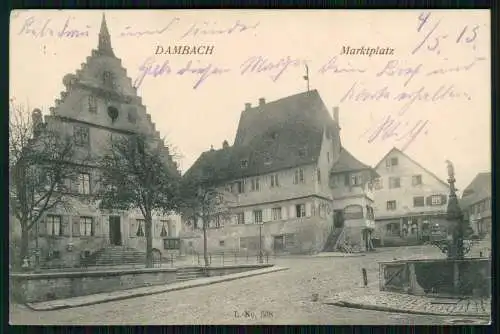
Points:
(204, 199)
(41, 170)
(139, 172)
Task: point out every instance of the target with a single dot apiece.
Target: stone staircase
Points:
(332, 242)
(188, 273)
(115, 255)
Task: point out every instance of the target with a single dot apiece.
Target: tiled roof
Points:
(348, 163)
(477, 190)
(277, 135)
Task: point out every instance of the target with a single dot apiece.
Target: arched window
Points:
(113, 113)
(354, 211)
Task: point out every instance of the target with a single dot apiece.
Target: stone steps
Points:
(184, 274)
(115, 255)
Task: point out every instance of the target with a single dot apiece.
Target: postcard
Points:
(311, 167)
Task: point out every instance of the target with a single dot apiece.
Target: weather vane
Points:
(306, 77)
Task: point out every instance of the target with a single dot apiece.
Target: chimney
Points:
(248, 106)
(225, 144)
(262, 101)
(211, 147)
(36, 117)
(336, 115)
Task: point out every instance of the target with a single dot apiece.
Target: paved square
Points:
(283, 297)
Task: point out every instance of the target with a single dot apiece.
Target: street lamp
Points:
(261, 260)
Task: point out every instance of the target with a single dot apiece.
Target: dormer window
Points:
(302, 152)
(274, 135)
(268, 160)
(244, 163)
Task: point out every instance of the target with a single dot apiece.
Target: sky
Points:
(421, 83)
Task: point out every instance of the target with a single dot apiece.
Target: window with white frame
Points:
(298, 176)
(378, 184)
(356, 179)
(276, 213)
(436, 200)
(164, 232)
(218, 221)
(84, 183)
(391, 205)
(300, 210)
(274, 181)
(140, 227)
(86, 226)
(240, 187)
(240, 218)
(255, 184)
(257, 216)
(54, 225)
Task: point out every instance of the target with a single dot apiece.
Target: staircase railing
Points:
(340, 238)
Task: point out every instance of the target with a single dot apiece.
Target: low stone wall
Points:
(467, 277)
(37, 287)
(226, 270)
(48, 286)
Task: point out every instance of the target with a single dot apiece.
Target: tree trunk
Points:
(149, 241)
(205, 252)
(23, 253)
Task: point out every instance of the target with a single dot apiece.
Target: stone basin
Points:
(437, 277)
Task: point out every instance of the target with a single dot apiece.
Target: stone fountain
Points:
(453, 276)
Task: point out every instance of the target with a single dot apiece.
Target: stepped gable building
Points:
(410, 201)
(276, 174)
(99, 101)
(476, 204)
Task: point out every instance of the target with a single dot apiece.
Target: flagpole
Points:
(306, 77)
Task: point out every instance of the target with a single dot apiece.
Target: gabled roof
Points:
(348, 163)
(478, 190)
(277, 135)
(394, 149)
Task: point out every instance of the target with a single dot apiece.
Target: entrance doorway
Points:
(279, 244)
(115, 233)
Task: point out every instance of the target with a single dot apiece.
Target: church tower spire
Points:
(104, 47)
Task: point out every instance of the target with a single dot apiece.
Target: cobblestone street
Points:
(283, 297)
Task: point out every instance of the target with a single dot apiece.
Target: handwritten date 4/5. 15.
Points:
(434, 35)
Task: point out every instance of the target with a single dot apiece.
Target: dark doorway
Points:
(115, 233)
(279, 245)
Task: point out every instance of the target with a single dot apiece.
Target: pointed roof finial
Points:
(104, 47)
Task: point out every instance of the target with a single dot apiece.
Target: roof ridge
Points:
(412, 160)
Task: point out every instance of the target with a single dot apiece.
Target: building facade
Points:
(276, 178)
(476, 204)
(99, 101)
(410, 201)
